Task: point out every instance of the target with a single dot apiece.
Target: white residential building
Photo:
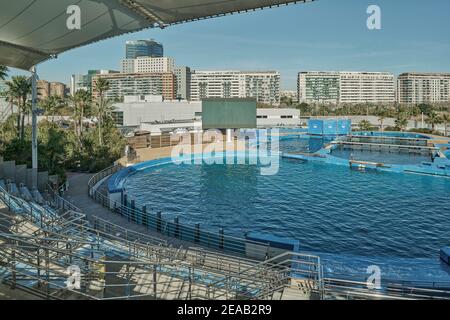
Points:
(148, 65)
(183, 81)
(264, 86)
(416, 87)
(346, 87)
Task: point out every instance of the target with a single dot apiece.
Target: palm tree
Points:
(364, 125)
(433, 119)
(81, 101)
(445, 117)
(381, 114)
(20, 87)
(101, 85)
(103, 112)
(51, 105)
(3, 72)
(401, 122)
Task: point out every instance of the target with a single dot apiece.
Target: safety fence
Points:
(154, 221)
(40, 255)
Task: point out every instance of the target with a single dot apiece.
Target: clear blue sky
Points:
(322, 35)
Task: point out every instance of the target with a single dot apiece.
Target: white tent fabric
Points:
(32, 31)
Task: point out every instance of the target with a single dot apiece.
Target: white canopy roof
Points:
(32, 31)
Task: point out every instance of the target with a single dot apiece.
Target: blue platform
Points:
(329, 127)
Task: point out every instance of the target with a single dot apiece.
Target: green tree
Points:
(19, 88)
(445, 120)
(425, 108)
(81, 104)
(381, 113)
(52, 104)
(433, 119)
(3, 72)
(101, 106)
(401, 122)
(364, 125)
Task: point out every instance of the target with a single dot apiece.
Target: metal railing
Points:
(154, 221)
(39, 256)
(116, 263)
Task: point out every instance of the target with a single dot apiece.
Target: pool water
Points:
(380, 156)
(329, 208)
(305, 144)
(302, 144)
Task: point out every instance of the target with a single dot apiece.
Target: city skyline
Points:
(300, 38)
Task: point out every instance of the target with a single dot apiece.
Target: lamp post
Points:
(34, 145)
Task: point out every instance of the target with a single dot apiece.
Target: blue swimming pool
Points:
(332, 210)
(391, 134)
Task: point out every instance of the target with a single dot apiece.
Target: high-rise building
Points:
(84, 81)
(46, 89)
(43, 89)
(57, 89)
(147, 64)
(135, 84)
(264, 86)
(183, 81)
(413, 87)
(346, 87)
(143, 48)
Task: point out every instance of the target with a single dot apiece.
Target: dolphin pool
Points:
(350, 218)
(330, 209)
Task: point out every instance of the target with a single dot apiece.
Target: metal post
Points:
(34, 144)
(154, 282)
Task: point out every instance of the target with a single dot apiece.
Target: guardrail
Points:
(174, 229)
(285, 271)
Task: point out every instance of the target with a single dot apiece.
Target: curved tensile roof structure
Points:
(32, 31)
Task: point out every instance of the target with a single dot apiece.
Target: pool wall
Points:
(439, 167)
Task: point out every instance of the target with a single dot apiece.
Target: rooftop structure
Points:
(143, 48)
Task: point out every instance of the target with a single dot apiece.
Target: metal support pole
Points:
(34, 143)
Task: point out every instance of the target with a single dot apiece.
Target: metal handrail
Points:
(235, 244)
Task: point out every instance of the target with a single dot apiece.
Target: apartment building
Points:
(183, 82)
(346, 87)
(46, 89)
(264, 86)
(414, 88)
(147, 65)
(84, 81)
(132, 84)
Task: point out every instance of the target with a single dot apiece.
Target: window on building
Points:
(118, 117)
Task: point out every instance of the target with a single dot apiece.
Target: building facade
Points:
(143, 48)
(415, 88)
(183, 82)
(346, 87)
(147, 64)
(132, 84)
(263, 86)
(57, 89)
(84, 81)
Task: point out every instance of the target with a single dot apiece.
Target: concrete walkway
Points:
(78, 195)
